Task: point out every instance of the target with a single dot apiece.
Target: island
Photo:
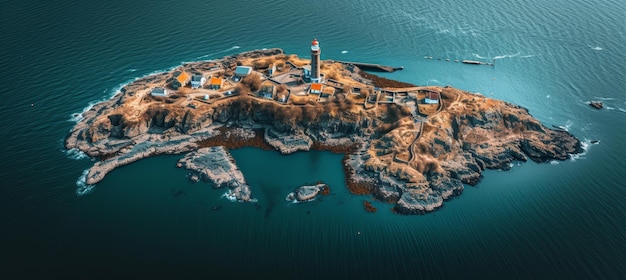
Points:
(308, 193)
(411, 146)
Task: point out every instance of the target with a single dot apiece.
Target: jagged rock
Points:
(288, 143)
(305, 193)
(214, 164)
(240, 193)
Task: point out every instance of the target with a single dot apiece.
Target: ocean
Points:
(558, 220)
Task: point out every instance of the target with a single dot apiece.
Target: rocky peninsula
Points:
(411, 146)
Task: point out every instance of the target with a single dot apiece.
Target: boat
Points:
(472, 62)
(596, 104)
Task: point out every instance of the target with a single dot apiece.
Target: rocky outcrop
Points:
(216, 165)
(306, 193)
(288, 143)
(469, 135)
(142, 147)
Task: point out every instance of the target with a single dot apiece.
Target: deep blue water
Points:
(564, 220)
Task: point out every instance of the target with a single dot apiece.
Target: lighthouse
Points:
(316, 76)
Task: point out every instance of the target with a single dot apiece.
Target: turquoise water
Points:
(562, 220)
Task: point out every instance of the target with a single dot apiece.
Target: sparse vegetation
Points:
(384, 82)
(281, 90)
(365, 91)
(242, 89)
(347, 89)
(253, 81)
(332, 74)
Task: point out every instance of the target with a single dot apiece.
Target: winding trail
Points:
(421, 127)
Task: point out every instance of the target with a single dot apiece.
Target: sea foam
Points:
(77, 117)
(585, 144)
(83, 187)
(219, 52)
(75, 154)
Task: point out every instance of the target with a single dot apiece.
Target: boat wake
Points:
(604, 98)
(478, 56)
(518, 54)
(507, 56)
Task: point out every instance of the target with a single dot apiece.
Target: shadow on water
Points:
(272, 194)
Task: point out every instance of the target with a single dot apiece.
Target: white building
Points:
(197, 81)
(159, 91)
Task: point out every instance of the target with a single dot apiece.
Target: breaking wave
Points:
(585, 144)
(216, 53)
(83, 187)
(109, 94)
(76, 154)
(231, 197)
(77, 117)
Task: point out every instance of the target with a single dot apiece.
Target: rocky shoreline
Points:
(411, 155)
(215, 164)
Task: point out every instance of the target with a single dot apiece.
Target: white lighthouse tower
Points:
(316, 76)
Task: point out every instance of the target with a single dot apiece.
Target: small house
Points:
(216, 83)
(315, 88)
(197, 81)
(180, 79)
(158, 91)
(431, 97)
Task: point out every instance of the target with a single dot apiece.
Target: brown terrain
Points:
(397, 147)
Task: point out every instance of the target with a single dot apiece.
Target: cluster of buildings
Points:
(305, 81)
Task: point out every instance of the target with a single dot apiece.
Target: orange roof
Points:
(317, 87)
(183, 77)
(215, 81)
